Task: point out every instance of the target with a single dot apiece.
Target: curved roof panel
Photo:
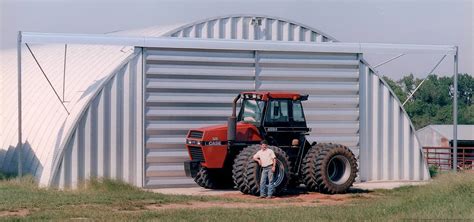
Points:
(43, 114)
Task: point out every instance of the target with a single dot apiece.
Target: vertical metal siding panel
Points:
(416, 159)
(363, 124)
(411, 158)
(406, 149)
(205, 30)
(126, 122)
(395, 154)
(370, 121)
(375, 128)
(210, 29)
(275, 30)
(198, 30)
(81, 148)
(87, 144)
(401, 140)
(228, 29)
(94, 138)
(120, 121)
(233, 27)
(101, 146)
(291, 32)
(131, 133)
(391, 132)
(139, 120)
(285, 33)
(280, 31)
(68, 161)
(386, 130)
(268, 29)
(108, 129)
(114, 128)
(245, 27)
(62, 175)
(239, 29)
(217, 29)
(73, 165)
(380, 131)
(307, 37)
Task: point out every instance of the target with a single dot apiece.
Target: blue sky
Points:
(447, 22)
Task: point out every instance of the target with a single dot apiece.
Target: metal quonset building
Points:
(128, 109)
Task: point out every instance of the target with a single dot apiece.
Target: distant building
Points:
(437, 141)
(442, 135)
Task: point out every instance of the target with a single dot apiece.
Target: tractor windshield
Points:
(252, 111)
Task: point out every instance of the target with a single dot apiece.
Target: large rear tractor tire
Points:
(329, 168)
(240, 167)
(213, 179)
(281, 176)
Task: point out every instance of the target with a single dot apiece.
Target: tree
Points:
(432, 102)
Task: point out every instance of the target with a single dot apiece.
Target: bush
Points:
(434, 170)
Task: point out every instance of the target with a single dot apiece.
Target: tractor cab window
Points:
(252, 111)
(277, 112)
(298, 115)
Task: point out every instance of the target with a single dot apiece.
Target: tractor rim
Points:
(339, 169)
(279, 173)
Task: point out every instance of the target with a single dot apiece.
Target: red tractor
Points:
(221, 155)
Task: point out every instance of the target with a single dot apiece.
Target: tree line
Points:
(432, 103)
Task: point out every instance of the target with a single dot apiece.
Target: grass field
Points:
(449, 196)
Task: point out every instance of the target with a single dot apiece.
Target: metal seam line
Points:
(432, 70)
(47, 79)
(20, 139)
(64, 74)
(383, 63)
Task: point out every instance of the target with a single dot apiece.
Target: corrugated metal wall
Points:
(390, 149)
(107, 139)
(194, 88)
(330, 79)
(187, 89)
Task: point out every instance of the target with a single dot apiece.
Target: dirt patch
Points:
(15, 213)
(306, 200)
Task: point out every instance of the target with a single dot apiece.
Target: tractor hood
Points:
(245, 132)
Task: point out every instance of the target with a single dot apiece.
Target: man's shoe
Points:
(270, 197)
(261, 197)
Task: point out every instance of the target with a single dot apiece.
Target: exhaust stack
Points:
(232, 122)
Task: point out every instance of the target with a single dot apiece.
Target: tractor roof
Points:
(265, 95)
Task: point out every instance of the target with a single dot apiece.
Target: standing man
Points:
(267, 160)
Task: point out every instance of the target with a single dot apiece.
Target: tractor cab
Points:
(279, 116)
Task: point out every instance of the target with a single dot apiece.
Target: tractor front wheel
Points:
(239, 168)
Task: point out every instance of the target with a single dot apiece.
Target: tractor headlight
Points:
(193, 142)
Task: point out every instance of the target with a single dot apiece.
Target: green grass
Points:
(449, 196)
